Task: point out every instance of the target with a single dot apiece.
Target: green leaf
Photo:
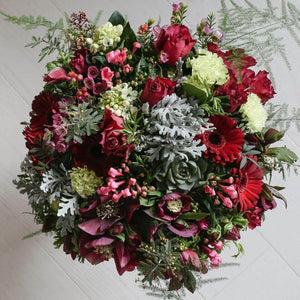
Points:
(154, 193)
(146, 202)
(194, 216)
(128, 36)
(278, 195)
(282, 154)
(116, 18)
(189, 281)
(121, 236)
(192, 90)
(273, 137)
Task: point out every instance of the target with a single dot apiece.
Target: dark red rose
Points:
(176, 42)
(155, 90)
(261, 85)
(79, 63)
(113, 141)
(172, 205)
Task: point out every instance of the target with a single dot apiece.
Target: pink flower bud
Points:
(114, 173)
(126, 68)
(190, 257)
(132, 181)
(206, 30)
(136, 46)
(218, 245)
(203, 224)
(126, 193)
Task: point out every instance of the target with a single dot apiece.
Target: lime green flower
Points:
(207, 69)
(254, 113)
(85, 182)
(119, 98)
(107, 36)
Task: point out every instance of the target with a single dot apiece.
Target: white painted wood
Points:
(33, 269)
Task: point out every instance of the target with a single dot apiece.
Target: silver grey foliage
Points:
(172, 125)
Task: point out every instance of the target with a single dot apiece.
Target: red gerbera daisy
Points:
(225, 142)
(248, 183)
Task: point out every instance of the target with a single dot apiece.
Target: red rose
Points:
(79, 63)
(112, 140)
(155, 90)
(176, 42)
(261, 86)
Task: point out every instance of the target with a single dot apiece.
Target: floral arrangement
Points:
(151, 148)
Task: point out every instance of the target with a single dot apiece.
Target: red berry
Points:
(84, 89)
(79, 93)
(85, 95)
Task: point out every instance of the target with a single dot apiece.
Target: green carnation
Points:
(254, 113)
(207, 69)
(85, 182)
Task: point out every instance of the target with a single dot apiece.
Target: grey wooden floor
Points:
(32, 269)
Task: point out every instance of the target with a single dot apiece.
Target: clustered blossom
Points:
(84, 182)
(119, 98)
(148, 142)
(106, 36)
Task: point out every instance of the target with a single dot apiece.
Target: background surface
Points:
(33, 269)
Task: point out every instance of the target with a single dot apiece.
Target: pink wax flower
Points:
(207, 30)
(163, 57)
(107, 74)
(93, 72)
(89, 83)
(176, 7)
(126, 68)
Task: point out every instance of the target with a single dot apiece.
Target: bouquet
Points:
(149, 148)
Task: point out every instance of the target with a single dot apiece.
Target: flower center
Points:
(107, 210)
(215, 140)
(243, 182)
(174, 205)
(106, 251)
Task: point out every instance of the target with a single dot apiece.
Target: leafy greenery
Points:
(256, 30)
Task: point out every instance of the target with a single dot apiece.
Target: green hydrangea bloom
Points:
(207, 68)
(106, 35)
(254, 113)
(85, 182)
(119, 98)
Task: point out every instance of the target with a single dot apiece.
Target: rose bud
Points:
(155, 90)
(190, 258)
